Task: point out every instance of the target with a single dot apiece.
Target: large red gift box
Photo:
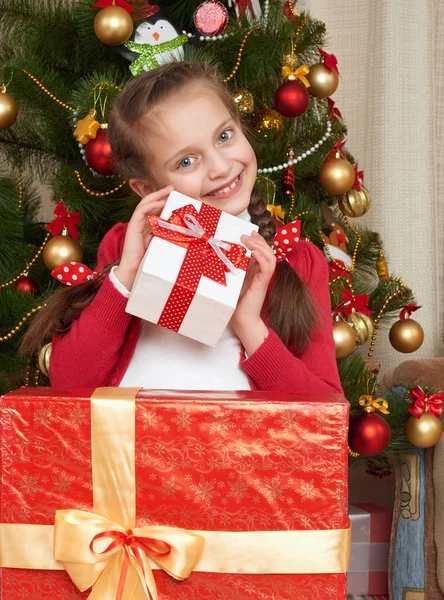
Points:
(175, 495)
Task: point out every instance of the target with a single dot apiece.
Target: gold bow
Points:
(380, 404)
(277, 211)
(97, 551)
(288, 73)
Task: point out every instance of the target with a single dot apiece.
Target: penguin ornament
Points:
(155, 41)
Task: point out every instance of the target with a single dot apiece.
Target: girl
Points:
(177, 127)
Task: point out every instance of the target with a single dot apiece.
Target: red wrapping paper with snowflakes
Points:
(240, 462)
(184, 285)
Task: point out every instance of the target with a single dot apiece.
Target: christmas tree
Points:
(64, 65)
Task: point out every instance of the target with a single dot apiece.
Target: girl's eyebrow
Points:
(183, 151)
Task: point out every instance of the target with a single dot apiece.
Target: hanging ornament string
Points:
(28, 266)
(239, 54)
(20, 190)
(20, 324)
(4, 86)
(381, 312)
(44, 89)
(98, 194)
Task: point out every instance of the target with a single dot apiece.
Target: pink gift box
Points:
(368, 571)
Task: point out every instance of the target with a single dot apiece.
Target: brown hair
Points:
(293, 320)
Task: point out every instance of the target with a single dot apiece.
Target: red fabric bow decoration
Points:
(359, 178)
(64, 219)
(73, 273)
(201, 258)
(121, 3)
(422, 403)
(330, 60)
(337, 148)
(350, 302)
(286, 239)
(333, 111)
(243, 6)
(407, 311)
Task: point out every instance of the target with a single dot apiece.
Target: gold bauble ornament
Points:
(345, 338)
(61, 249)
(113, 25)
(425, 431)
(382, 267)
(8, 110)
(354, 203)
(336, 176)
(406, 336)
(244, 101)
(363, 326)
(44, 358)
(268, 123)
(323, 81)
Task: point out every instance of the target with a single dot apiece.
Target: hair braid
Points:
(261, 217)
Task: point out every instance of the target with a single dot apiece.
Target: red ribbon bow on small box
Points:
(64, 219)
(206, 256)
(422, 402)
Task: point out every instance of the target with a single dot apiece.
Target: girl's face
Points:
(199, 148)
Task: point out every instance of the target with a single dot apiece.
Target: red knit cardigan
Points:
(97, 349)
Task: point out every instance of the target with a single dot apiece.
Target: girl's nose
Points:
(219, 166)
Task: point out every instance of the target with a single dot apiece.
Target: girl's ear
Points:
(141, 187)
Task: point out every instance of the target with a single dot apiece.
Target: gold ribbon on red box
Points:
(106, 551)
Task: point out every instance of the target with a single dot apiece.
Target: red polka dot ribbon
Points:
(206, 256)
(73, 273)
(286, 239)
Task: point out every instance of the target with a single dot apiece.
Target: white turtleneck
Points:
(164, 359)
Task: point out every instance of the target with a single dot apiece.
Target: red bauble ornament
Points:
(291, 98)
(369, 434)
(26, 285)
(99, 155)
(211, 18)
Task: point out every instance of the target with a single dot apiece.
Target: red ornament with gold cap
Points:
(99, 155)
(291, 98)
(369, 433)
(424, 428)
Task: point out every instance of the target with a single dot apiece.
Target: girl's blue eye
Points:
(187, 162)
(225, 135)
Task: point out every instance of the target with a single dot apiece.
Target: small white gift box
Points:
(193, 270)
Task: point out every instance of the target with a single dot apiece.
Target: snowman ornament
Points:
(156, 41)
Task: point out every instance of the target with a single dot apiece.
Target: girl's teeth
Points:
(226, 189)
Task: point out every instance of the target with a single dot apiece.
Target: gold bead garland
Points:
(42, 87)
(20, 324)
(28, 266)
(20, 189)
(36, 377)
(381, 312)
(352, 453)
(239, 54)
(98, 194)
(27, 375)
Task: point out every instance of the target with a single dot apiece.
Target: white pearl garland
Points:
(299, 158)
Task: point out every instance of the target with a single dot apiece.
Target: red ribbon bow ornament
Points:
(286, 239)
(333, 111)
(330, 60)
(121, 3)
(64, 219)
(359, 178)
(432, 403)
(337, 148)
(350, 302)
(407, 310)
(73, 273)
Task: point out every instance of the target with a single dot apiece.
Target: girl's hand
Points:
(246, 320)
(139, 235)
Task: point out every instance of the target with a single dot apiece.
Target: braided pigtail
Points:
(289, 308)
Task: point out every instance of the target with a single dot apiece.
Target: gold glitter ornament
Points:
(363, 326)
(354, 203)
(267, 122)
(382, 267)
(290, 60)
(244, 101)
